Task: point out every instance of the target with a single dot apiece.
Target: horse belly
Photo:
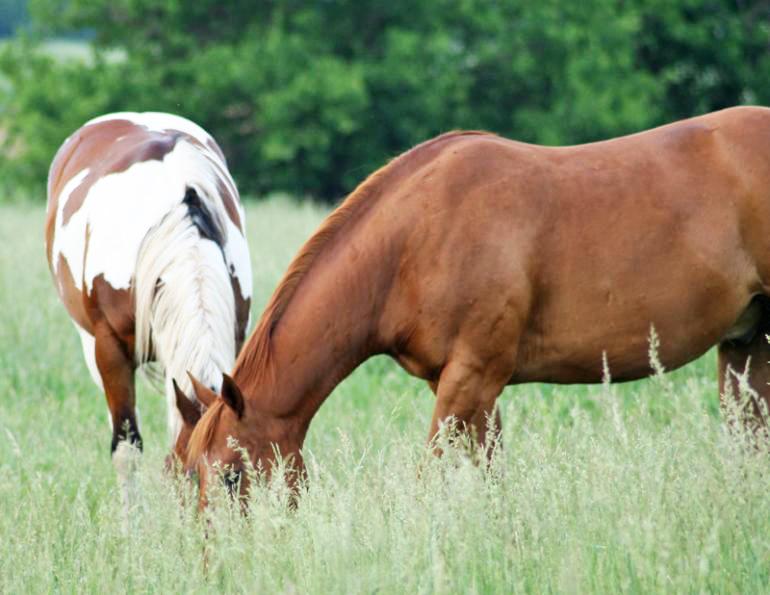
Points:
(574, 349)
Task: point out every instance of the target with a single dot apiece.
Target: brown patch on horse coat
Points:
(104, 302)
(242, 307)
(138, 146)
(116, 306)
(71, 296)
(230, 202)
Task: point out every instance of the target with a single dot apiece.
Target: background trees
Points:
(309, 97)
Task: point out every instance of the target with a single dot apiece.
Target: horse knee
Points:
(467, 392)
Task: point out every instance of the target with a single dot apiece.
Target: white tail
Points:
(184, 305)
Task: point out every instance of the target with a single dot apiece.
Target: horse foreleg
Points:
(116, 368)
(467, 392)
(744, 374)
(489, 425)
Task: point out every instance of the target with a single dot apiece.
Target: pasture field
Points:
(631, 488)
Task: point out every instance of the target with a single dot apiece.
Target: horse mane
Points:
(254, 361)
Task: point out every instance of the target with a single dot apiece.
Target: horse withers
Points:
(145, 240)
(477, 262)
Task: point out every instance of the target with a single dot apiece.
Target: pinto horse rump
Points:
(145, 241)
(476, 262)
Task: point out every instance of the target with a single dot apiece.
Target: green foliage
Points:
(707, 54)
(43, 99)
(308, 98)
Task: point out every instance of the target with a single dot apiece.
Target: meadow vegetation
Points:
(631, 488)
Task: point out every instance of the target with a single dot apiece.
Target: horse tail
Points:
(184, 303)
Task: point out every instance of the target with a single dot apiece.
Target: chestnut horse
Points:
(477, 262)
(145, 240)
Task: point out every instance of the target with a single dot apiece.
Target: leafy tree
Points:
(309, 97)
(706, 54)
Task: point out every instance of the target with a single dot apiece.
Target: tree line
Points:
(308, 97)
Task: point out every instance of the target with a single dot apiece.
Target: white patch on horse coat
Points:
(121, 207)
(140, 210)
(68, 189)
(89, 353)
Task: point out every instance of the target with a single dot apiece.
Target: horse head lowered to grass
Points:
(477, 262)
(145, 241)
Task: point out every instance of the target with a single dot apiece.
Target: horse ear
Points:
(188, 410)
(231, 394)
(204, 393)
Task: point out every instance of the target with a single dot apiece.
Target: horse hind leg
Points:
(115, 365)
(744, 374)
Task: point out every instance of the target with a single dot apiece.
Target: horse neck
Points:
(329, 327)
(185, 314)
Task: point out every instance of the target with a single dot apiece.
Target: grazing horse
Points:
(477, 262)
(145, 240)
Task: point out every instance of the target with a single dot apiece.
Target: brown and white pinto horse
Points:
(477, 262)
(145, 241)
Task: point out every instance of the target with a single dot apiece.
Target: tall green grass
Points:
(631, 488)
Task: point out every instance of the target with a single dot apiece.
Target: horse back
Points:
(558, 252)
